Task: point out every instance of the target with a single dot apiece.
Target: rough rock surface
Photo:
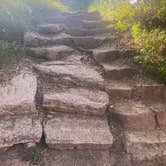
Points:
(50, 53)
(18, 96)
(76, 100)
(21, 129)
(70, 74)
(67, 131)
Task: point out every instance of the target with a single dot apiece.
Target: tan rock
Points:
(81, 101)
(67, 131)
(69, 74)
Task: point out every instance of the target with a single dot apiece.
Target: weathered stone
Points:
(71, 75)
(18, 114)
(50, 53)
(118, 71)
(77, 158)
(18, 96)
(20, 129)
(51, 28)
(81, 101)
(146, 145)
(159, 108)
(133, 115)
(85, 32)
(110, 54)
(117, 90)
(67, 131)
(94, 24)
(34, 39)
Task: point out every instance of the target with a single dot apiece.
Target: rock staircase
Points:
(84, 94)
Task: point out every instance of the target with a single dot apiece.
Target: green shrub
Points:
(152, 50)
(10, 53)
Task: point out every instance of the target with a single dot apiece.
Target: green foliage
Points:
(18, 15)
(152, 50)
(35, 153)
(146, 22)
(118, 12)
(9, 53)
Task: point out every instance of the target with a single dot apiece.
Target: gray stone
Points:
(69, 74)
(20, 129)
(80, 101)
(67, 131)
(50, 53)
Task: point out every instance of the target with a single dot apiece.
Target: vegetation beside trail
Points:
(16, 16)
(145, 21)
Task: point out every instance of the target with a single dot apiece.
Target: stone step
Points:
(75, 31)
(147, 148)
(144, 90)
(111, 54)
(82, 101)
(139, 115)
(83, 15)
(34, 39)
(19, 121)
(118, 71)
(50, 28)
(50, 53)
(77, 158)
(20, 129)
(67, 131)
(61, 73)
(74, 19)
(94, 24)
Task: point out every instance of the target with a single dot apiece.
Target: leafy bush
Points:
(146, 22)
(16, 16)
(9, 53)
(152, 50)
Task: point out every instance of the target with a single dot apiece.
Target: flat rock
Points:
(95, 24)
(20, 129)
(110, 54)
(69, 74)
(146, 145)
(133, 115)
(50, 28)
(118, 71)
(77, 157)
(50, 53)
(34, 39)
(85, 31)
(67, 131)
(80, 101)
(18, 96)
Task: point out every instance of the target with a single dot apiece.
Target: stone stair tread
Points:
(146, 145)
(18, 96)
(82, 101)
(35, 39)
(71, 74)
(21, 129)
(67, 131)
(110, 54)
(50, 53)
(77, 158)
(137, 87)
(50, 28)
(95, 23)
(139, 115)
